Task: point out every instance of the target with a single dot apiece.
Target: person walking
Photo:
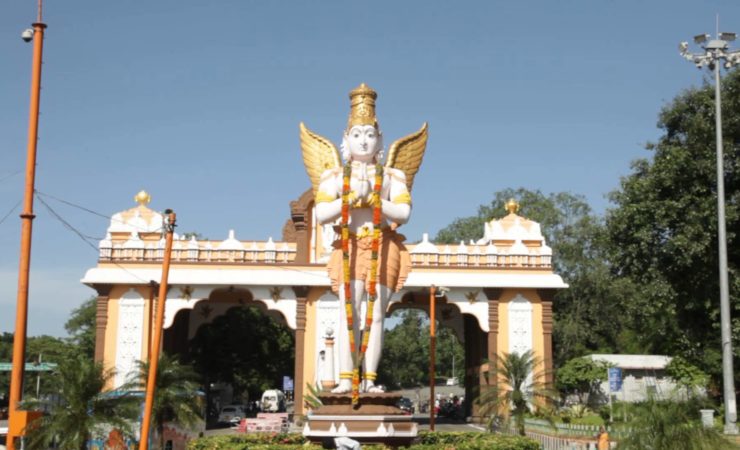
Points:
(602, 439)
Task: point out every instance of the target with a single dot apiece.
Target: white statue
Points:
(375, 198)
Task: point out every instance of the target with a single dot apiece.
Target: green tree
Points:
(662, 231)
(245, 348)
(405, 360)
(81, 409)
(176, 394)
(581, 376)
(686, 375)
(670, 425)
(81, 327)
(587, 315)
(449, 351)
(515, 385)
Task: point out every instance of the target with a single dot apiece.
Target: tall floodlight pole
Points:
(717, 53)
(17, 418)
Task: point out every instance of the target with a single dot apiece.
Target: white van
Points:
(273, 400)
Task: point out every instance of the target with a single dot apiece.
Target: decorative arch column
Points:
(298, 228)
(101, 319)
(480, 346)
(546, 297)
(301, 294)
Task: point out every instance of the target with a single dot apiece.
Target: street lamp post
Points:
(19, 419)
(716, 53)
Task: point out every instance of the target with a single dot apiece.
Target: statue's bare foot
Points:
(343, 387)
(371, 388)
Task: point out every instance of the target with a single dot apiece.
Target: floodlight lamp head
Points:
(683, 48)
(728, 37)
(701, 38)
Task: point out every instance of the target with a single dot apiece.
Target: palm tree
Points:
(176, 398)
(670, 425)
(513, 384)
(82, 407)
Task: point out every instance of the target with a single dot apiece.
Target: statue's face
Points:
(363, 142)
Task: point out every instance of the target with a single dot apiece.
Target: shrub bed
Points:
(425, 441)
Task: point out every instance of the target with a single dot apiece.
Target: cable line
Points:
(85, 238)
(10, 212)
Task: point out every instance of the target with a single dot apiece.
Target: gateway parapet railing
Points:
(149, 248)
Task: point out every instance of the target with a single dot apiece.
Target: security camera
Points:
(27, 35)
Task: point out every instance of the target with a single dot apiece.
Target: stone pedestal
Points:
(375, 420)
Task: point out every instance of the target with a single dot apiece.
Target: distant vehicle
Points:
(231, 414)
(273, 400)
(452, 381)
(406, 405)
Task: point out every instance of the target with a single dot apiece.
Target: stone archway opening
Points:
(238, 347)
(406, 353)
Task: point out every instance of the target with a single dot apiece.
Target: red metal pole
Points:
(432, 351)
(157, 340)
(17, 420)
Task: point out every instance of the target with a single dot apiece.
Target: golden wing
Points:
(406, 153)
(319, 154)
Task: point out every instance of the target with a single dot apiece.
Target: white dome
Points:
(231, 243)
(425, 246)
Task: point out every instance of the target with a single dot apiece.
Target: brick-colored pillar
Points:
(101, 319)
(492, 294)
(546, 296)
(301, 293)
(301, 218)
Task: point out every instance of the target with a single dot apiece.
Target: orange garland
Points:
(359, 354)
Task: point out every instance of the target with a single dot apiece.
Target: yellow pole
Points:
(157, 340)
(17, 419)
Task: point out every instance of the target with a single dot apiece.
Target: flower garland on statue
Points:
(359, 354)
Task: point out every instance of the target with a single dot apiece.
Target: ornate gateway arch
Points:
(502, 286)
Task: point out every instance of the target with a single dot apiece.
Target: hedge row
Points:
(425, 441)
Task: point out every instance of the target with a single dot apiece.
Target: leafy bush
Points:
(473, 441)
(425, 441)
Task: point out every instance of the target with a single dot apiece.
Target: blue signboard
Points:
(615, 379)
(287, 383)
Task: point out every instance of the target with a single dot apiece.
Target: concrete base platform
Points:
(375, 420)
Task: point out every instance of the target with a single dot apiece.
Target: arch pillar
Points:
(301, 294)
(481, 346)
(101, 319)
(299, 226)
(546, 296)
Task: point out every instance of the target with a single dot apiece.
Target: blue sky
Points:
(199, 103)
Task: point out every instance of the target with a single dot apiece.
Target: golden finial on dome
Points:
(512, 206)
(362, 106)
(142, 198)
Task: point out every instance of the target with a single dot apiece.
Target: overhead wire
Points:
(84, 237)
(10, 175)
(10, 211)
(88, 210)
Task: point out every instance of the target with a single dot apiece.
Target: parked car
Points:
(452, 381)
(232, 414)
(406, 405)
